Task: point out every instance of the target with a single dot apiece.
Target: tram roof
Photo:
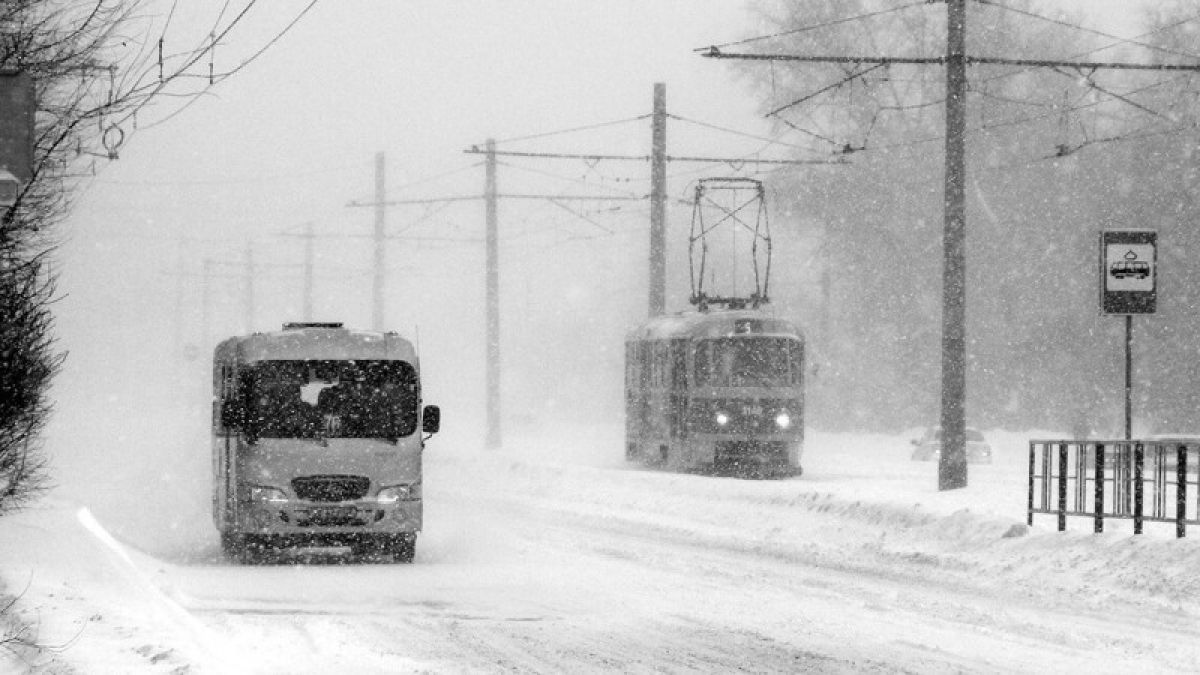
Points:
(322, 342)
(713, 324)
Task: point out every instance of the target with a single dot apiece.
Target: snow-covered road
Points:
(554, 556)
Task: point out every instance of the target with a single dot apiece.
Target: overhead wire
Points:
(588, 127)
(1120, 40)
(805, 29)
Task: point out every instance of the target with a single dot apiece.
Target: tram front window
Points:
(332, 399)
(748, 362)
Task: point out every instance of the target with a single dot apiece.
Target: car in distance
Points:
(928, 448)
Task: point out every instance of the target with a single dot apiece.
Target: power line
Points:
(1120, 40)
(588, 127)
(805, 29)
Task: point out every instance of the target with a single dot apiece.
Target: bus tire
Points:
(403, 548)
(232, 544)
(252, 550)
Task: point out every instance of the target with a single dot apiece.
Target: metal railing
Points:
(1142, 480)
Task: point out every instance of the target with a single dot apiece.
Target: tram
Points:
(718, 391)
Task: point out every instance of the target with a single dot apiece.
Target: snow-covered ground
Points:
(554, 555)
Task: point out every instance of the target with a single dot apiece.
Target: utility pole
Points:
(492, 282)
(377, 320)
(952, 472)
(658, 202)
(952, 465)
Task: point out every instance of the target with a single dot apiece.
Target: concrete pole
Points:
(492, 274)
(952, 467)
(658, 202)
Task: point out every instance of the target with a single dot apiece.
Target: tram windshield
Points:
(749, 362)
(338, 399)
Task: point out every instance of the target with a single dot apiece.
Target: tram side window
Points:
(630, 365)
(796, 361)
(700, 358)
(678, 351)
(656, 364)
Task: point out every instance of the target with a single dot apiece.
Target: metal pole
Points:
(1032, 465)
(1128, 377)
(492, 274)
(1062, 487)
(1139, 459)
(1098, 486)
(658, 202)
(1181, 486)
(952, 467)
(380, 243)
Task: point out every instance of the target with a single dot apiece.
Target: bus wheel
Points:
(251, 550)
(403, 547)
(232, 545)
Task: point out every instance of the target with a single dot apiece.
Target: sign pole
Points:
(1128, 286)
(1128, 377)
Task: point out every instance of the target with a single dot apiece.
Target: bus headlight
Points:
(722, 419)
(783, 419)
(265, 494)
(397, 493)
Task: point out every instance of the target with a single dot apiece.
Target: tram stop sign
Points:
(1128, 271)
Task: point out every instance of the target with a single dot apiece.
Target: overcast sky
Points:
(292, 139)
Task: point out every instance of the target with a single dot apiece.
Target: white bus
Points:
(318, 433)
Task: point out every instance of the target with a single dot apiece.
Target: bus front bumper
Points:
(362, 517)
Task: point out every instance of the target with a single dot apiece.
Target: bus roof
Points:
(319, 343)
(713, 324)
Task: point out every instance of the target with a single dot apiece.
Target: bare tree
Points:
(101, 69)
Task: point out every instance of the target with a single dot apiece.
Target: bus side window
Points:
(232, 408)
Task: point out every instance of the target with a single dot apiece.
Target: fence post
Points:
(1139, 457)
(1098, 517)
(1029, 503)
(1181, 491)
(1062, 487)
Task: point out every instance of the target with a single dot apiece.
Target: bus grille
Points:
(331, 488)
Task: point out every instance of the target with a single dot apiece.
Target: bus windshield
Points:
(749, 362)
(332, 399)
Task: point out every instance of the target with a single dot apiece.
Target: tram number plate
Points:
(753, 410)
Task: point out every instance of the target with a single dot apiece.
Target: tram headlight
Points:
(267, 495)
(783, 420)
(722, 418)
(396, 493)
